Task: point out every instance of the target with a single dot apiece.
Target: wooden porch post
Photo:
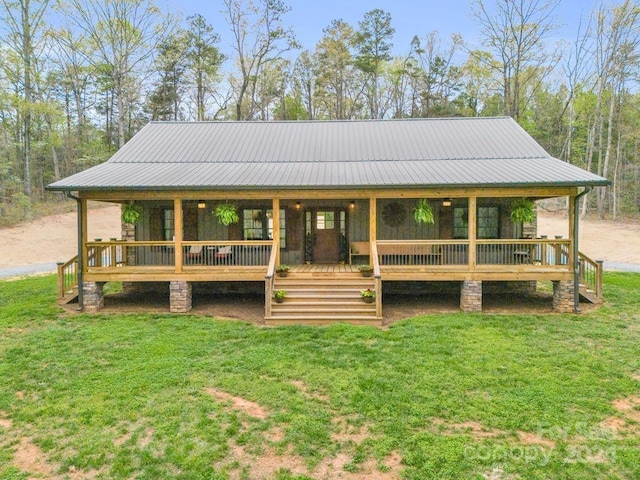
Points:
(572, 228)
(83, 234)
(473, 231)
(178, 234)
(276, 227)
(372, 221)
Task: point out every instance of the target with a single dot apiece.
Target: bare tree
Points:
(259, 39)
(123, 33)
(304, 78)
(616, 60)
(24, 22)
(515, 34)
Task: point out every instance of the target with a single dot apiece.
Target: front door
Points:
(326, 228)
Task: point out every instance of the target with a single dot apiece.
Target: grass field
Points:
(445, 396)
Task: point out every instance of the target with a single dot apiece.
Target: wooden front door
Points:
(326, 227)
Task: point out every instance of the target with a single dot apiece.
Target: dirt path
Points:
(613, 242)
(52, 239)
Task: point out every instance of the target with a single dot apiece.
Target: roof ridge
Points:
(332, 121)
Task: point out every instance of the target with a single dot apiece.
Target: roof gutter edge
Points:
(594, 183)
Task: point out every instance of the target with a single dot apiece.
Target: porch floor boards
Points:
(324, 268)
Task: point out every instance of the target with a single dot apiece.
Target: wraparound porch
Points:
(393, 261)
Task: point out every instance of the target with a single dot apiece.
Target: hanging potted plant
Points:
(226, 214)
(422, 212)
(131, 213)
(522, 210)
(368, 295)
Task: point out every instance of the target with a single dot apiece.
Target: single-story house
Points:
(232, 201)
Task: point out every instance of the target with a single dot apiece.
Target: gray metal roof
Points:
(356, 154)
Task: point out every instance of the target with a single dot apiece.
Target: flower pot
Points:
(368, 299)
(283, 274)
(367, 274)
(279, 300)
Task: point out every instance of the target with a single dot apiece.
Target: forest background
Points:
(78, 78)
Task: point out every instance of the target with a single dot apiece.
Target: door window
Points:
(325, 221)
(168, 222)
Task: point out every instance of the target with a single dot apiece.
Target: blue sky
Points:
(409, 17)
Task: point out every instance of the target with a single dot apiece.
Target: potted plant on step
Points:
(283, 270)
(368, 295)
(279, 295)
(366, 270)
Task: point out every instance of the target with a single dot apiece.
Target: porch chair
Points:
(223, 255)
(194, 255)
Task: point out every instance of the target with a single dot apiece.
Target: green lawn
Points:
(443, 396)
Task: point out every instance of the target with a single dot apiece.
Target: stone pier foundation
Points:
(93, 296)
(563, 296)
(471, 296)
(180, 297)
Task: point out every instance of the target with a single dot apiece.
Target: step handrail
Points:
(378, 277)
(67, 276)
(590, 273)
(269, 279)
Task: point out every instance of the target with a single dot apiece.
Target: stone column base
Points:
(471, 296)
(563, 296)
(179, 297)
(92, 296)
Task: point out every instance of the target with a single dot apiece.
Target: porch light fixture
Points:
(297, 205)
(202, 204)
(446, 203)
(352, 204)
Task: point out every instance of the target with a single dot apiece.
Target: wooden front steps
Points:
(323, 297)
(589, 295)
(69, 296)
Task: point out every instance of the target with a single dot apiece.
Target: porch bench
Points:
(359, 249)
(410, 255)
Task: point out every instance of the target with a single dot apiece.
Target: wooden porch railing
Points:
(436, 253)
(422, 252)
(67, 278)
(378, 278)
(590, 274)
(114, 254)
(227, 253)
(269, 280)
(521, 252)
